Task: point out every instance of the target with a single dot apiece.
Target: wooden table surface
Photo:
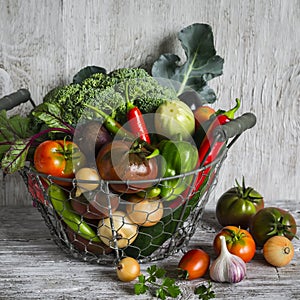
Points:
(33, 267)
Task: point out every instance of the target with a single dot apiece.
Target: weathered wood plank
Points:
(42, 44)
(33, 267)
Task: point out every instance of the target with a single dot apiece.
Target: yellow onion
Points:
(144, 212)
(123, 233)
(278, 251)
(86, 174)
(128, 269)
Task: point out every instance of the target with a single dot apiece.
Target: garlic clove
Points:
(227, 267)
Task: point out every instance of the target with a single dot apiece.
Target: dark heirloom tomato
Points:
(237, 206)
(239, 242)
(272, 221)
(59, 158)
(118, 161)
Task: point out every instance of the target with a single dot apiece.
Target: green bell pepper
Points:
(178, 157)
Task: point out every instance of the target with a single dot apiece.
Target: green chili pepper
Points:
(179, 157)
(63, 207)
(150, 192)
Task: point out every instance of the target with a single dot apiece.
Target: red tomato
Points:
(58, 158)
(194, 264)
(239, 242)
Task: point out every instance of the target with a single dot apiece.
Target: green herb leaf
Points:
(204, 292)
(161, 285)
(160, 273)
(173, 290)
(160, 293)
(140, 288)
(202, 64)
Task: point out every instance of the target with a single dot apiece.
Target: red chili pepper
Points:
(137, 122)
(205, 147)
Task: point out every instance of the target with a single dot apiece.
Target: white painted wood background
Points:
(43, 43)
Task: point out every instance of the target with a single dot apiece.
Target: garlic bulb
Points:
(227, 267)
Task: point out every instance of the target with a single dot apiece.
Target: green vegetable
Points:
(179, 157)
(151, 238)
(16, 138)
(87, 72)
(163, 286)
(64, 106)
(12, 131)
(107, 92)
(204, 292)
(202, 64)
(174, 118)
(63, 207)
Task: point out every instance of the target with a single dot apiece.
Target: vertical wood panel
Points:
(43, 43)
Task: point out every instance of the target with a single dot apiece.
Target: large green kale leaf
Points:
(201, 65)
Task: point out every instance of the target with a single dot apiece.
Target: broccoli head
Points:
(110, 93)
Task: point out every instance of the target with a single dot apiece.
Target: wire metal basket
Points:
(108, 226)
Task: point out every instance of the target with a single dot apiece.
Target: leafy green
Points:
(13, 131)
(201, 65)
(163, 286)
(17, 136)
(14, 159)
(204, 292)
(50, 114)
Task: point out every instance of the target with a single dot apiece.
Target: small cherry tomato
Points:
(194, 264)
(239, 242)
(278, 251)
(128, 269)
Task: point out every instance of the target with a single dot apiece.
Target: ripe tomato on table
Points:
(238, 205)
(194, 264)
(59, 158)
(272, 221)
(239, 242)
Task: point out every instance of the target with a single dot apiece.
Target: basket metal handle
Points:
(235, 127)
(12, 100)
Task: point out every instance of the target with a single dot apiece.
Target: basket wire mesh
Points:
(164, 237)
(102, 229)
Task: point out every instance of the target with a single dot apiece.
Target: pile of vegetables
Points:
(249, 229)
(145, 136)
(137, 131)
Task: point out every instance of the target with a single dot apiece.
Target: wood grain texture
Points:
(43, 43)
(33, 267)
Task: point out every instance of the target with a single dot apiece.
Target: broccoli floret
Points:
(122, 85)
(62, 94)
(122, 74)
(98, 81)
(110, 92)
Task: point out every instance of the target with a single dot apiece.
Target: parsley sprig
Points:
(163, 286)
(204, 292)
